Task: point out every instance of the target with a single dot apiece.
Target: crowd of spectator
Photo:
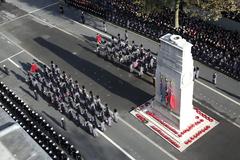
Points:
(212, 45)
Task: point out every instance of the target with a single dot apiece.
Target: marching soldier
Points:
(82, 121)
(109, 121)
(115, 115)
(89, 126)
(29, 79)
(77, 106)
(141, 71)
(42, 89)
(98, 102)
(61, 107)
(118, 38)
(52, 66)
(35, 94)
(102, 126)
(98, 50)
(108, 115)
(95, 132)
(70, 113)
(91, 97)
(35, 83)
(57, 70)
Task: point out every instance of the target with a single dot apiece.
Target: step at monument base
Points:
(180, 139)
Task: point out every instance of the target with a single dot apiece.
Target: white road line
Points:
(217, 113)
(20, 47)
(210, 88)
(14, 63)
(12, 56)
(116, 145)
(148, 139)
(28, 13)
(43, 7)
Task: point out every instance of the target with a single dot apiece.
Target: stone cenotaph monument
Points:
(174, 81)
(171, 113)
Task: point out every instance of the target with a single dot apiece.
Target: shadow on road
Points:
(52, 118)
(27, 91)
(205, 79)
(18, 76)
(229, 93)
(98, 74)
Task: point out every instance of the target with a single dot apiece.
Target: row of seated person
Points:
(36, 126)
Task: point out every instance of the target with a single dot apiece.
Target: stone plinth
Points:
(178, 138)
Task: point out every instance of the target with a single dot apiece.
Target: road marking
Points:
(210, 88)
(148, 139)
(14, 63)
(217, 113)
(43, 7)
(12, 56)
(20, 47)
(116, 145)
(14, 19)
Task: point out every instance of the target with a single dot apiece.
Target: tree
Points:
(204, 9)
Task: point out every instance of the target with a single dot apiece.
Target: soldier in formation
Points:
(66, 96)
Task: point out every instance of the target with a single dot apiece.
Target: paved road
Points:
(116, 87)
(68, 23)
